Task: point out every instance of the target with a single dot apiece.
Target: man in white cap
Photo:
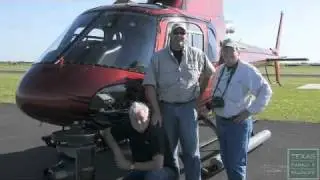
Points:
(240, 91)
(177, 76)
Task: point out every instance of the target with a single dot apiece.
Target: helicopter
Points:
(86, 80)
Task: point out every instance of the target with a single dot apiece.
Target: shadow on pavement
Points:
(26, 164)
(29, 164)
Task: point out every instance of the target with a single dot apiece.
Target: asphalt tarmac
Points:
(23, 155)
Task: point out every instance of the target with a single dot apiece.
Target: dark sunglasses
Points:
(177, 32)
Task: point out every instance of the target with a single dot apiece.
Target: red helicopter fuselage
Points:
(104, 48)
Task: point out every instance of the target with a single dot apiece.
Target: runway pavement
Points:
(23, 155)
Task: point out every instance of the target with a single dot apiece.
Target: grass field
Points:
(293, 69)
(8, 84)
(287, 103)
(14, 66)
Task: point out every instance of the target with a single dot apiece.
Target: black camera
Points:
(217, 102)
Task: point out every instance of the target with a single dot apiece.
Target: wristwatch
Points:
(132, 166)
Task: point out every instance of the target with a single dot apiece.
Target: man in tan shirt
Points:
(175, 79)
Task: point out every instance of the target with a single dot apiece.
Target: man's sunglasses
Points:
(179, 32)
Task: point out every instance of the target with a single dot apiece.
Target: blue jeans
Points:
(163, 174)
(234, 140)
(180, 123)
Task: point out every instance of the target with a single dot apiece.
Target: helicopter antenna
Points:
(122, 1)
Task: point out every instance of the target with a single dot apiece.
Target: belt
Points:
(176, 103)
(229, 118)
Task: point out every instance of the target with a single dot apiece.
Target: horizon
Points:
(256, 23)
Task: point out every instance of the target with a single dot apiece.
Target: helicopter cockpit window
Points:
(76, 33)
(121, 40)
(95, 35)
(66, 38)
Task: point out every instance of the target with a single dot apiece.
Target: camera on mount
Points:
(217, 102)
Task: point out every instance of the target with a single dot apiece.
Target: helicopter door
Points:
(212, 49)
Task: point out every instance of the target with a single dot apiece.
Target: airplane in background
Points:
(88, 77)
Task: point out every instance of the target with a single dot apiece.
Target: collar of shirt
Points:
(233, 67)
(184, 53)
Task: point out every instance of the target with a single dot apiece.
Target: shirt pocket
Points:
(191, 74)
(235, 92)
(167, 77)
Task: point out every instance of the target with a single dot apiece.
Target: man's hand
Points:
(156, 118)
(242, 116)
(151, 96)
(198, 102)
(122, 162)
(202, 110)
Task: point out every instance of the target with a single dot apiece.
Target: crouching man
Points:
(151, 157)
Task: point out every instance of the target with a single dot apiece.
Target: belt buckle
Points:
(229, 118)
(177, 103)
(233, 117)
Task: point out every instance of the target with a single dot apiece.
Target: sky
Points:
(28, 27)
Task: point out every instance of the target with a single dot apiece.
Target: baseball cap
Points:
(229, 43)
(178, 26)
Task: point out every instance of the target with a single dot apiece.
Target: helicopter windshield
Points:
(115, 39)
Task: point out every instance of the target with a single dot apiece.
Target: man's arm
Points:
(112, 142)
(150, 84)
(261, 89)
(151, 96)
(155, 164)
(119, 133)
(207, 73)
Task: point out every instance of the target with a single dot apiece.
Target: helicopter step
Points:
(77, 150)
